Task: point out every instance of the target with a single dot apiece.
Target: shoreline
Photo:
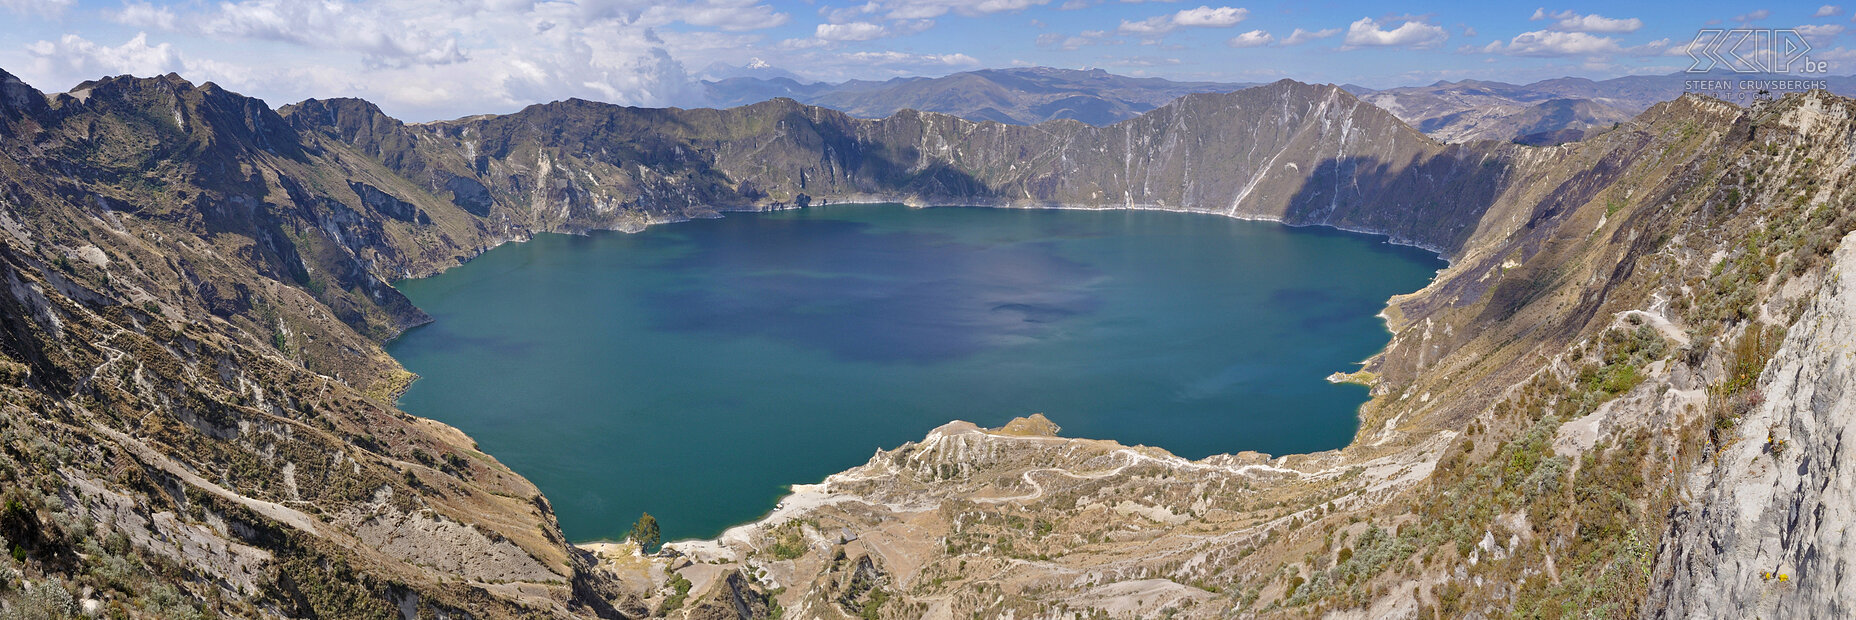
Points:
(792, 498)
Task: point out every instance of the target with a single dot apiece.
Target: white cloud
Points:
(1202, 17)
(728, 15)
(892, 57)
(426, 59)
(381, 38)
(924, 9)
(1301, 36)
(432, 32)
(1569, 21)
(1828, 10)
(1208, 17)
(1151, 27)
(853, 31)
(802, 44)
(1555, 43)
(1820, 32)
(41, 8)
(911, 26)
(1659, 47)
(1414, 34)
(72, 55)
(1254, 38)
(143, 15)
(847, 14)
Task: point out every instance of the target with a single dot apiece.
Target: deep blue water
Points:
(695, 370)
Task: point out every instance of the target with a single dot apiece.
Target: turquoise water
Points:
(695, 370)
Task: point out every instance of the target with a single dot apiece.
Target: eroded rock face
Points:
(203, 352)
(1287, 151)
(450, 546)
(1540, 407)
(1764, 533)
(734, 598)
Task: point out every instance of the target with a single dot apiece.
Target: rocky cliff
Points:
(1295, 152)
(1764, 532)
(1557, 429)
(199, 418)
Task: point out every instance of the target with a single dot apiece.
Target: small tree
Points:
(644, 532)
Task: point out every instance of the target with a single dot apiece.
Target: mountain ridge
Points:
(197, 287)
(1013, 96)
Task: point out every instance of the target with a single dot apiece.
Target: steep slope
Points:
(1589, 360)
(1766, 536)
(1764, 532)
(198, 289)
(195, 398)
(193, 375)
(1012, 96)
(1295, 152)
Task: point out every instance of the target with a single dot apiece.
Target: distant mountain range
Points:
(1012, 96)
(1545, 112)
(1556, 110)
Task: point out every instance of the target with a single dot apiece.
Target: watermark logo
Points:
(1753, 50)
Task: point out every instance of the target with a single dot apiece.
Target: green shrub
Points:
(680, 592)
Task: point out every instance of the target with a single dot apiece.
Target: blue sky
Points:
(429, 59)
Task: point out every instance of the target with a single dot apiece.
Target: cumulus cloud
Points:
(1555, 43)
(1828, 10)
(1208, 17)
(425, 59)
(432, 32)
(143, 15)
(72, 55)
(1569, 21)
(1254, 38)
(378, 36)
(1819, 32)
(1414, 34)
(853, 31)
(1301, 36)
(734, 16)
(1202, 17)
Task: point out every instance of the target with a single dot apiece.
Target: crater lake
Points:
(696, 370)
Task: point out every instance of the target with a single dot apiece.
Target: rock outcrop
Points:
(195, 288)
(1764, 531)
